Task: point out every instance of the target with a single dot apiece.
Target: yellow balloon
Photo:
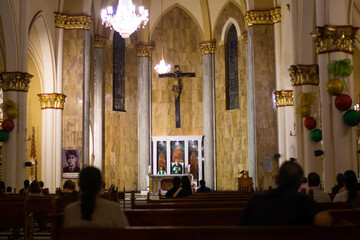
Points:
(12, 113)
(304, 111)
(334, 87)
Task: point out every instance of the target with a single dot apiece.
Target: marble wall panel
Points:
(121, 158)
(178, 37)
(231, 125)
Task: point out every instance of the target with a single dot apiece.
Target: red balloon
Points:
(8, 125)
(343, 102)
(310, 123)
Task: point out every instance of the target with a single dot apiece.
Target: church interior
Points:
(250, 86)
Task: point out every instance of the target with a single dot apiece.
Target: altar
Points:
(164, 182)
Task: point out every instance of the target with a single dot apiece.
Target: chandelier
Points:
(126, 20)
(162, 67)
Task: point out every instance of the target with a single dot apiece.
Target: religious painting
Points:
(177, 160)
(161, 157)
(71, 163)
(193, 158)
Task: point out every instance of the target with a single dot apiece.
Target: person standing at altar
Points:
(161, 171)
(176, 168)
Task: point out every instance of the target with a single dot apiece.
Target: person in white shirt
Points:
(314, 184)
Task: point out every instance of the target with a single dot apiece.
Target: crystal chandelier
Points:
(126, 20)
(162, 67)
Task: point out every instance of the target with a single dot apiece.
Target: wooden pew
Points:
(184, 217)
(14, 214)
(213, 233)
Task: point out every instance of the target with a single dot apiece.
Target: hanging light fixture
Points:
(126, 20)
(162, 67)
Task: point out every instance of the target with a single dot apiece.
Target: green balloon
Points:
(316, 135)
(352, 118)
(3, 136)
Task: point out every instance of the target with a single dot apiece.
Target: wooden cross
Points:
(176, 89)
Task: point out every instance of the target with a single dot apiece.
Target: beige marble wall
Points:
(178, 36)
(73, 88)
(231, 125)
(121, 158)
(266, 113)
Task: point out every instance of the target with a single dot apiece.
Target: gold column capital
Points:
(284, 98)
(208, 47)
(304, 74)
(263, 17)
(335, 39)
(15, 81)
(52, 100)
(99, 41)
(144, 50)
(70, 22)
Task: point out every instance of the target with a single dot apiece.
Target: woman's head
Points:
(69, 185)
(34, 187)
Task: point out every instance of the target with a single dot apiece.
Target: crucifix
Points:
(176, 87)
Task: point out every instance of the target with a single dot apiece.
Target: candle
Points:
(149, 170)
(189, 168)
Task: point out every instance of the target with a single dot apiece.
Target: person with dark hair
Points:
(34, 189)
(340, 183)
(91, 210)
(203, 187)
(9, 190)
(69, 188)
(351, 187)
(26, 187)
(41, 183)
(318, 193)
(72, 161)
(284, 205)
(2, 187)
(176, 190)
(186, 185)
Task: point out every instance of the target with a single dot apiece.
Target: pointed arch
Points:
(231, 21)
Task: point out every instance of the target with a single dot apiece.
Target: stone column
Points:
(98, 102)
(261, 84)
(334, 43)
(51, 105)
(208, 75)
(144, 113)
(305, 80)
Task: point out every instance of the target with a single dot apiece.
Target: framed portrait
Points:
(71, 163)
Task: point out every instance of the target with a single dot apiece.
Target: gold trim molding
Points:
(144, 50)
(70, 22)
(284, 98)
(304, 75)
(335, 39)
(52, 100)
(208, 47)
(15, 81)
(99, 41)
(264, 17)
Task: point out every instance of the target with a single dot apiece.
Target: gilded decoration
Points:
(144, 50)
(335, 39)
(284, 98)
(208, 47)
(69, 22)
(15, 81)
(265, 17)
(99, 41)
(304, 75)
(52, 100)
(244, 37)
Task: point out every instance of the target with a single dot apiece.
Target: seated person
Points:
(176, 168)
(72, 161)
(304, 187)
(285, 205)
(318, 194)
(91, 210)
(69, 188)
(34, 189)
(161, 171)
(202, 187)
(349, 194)
(339, 185)
(186, 185)
(24, 190)
(8, 190)
(176, 190)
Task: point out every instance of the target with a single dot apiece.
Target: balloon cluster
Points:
(336, 87)
(310, 123)
(9, 108)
